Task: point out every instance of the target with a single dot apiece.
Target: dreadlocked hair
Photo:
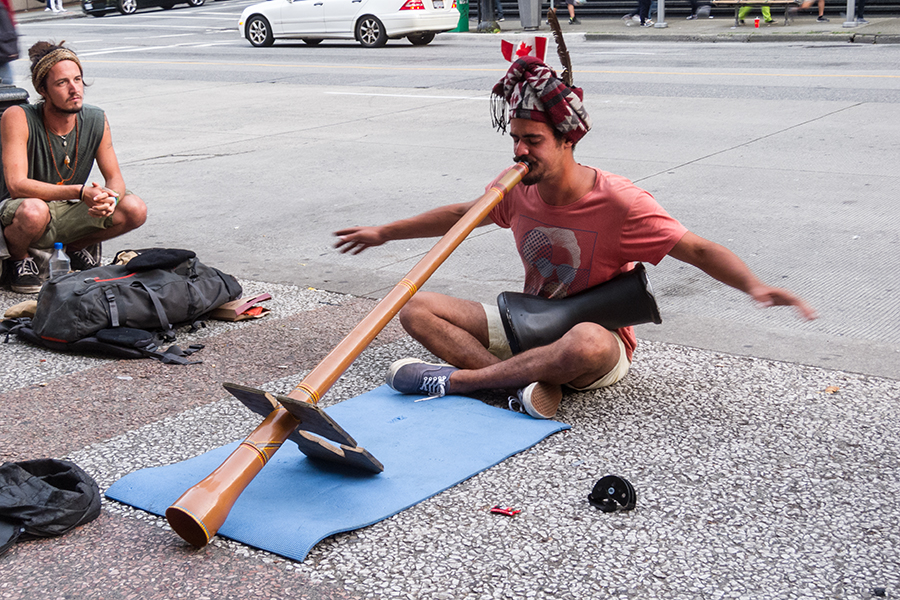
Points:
(42, 49)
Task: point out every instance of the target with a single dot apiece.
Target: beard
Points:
(69, 110)
(533, 175)
(50, 104)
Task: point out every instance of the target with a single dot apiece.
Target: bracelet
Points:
(81, 194)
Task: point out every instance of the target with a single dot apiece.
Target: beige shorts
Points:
(69, 221)
(499, 347)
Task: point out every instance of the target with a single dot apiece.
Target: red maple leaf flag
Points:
(531, 45)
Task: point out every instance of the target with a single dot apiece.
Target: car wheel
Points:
(312, 41)
(420, 39)
(196, 2)
(259, 32)
(127, 7)
(370, 32)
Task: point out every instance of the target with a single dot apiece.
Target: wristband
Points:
(81, 194)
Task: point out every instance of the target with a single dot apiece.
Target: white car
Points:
(370, 22)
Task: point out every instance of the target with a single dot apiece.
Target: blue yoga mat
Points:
(426, 447)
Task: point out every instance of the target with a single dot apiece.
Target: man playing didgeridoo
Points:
(575, 227)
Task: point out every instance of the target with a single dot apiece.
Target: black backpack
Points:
(43, 498)
(116, 309)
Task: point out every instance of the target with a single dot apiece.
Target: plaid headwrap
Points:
(531, 90)
(48, 61)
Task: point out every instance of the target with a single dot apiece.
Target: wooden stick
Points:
(197, 515)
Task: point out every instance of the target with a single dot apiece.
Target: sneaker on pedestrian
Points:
(26, 277)
(647, 23)
(82, 260)
(501, 19)
(822, 19)
(540, 400)
(574, 21)
(691, 17)
(414, 376)
(636, 18)
(47, 9)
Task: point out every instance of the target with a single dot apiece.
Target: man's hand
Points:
(356, 239)
(101, 201)
(770, 296)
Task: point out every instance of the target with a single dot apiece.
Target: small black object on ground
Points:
(612, 493)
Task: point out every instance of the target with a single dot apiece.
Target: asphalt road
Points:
(783, 152)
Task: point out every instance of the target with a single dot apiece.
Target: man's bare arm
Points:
(433, 223)
(108, 162)
(722, 264)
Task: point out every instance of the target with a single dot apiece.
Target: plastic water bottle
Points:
(59, 261)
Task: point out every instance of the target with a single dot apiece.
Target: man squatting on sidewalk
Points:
(48, 151)
(593, 224)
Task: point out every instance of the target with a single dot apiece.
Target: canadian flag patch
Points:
(534, 46)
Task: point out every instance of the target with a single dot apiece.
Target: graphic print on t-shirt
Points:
(553, 258)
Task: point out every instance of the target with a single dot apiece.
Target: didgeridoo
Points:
(197, 515)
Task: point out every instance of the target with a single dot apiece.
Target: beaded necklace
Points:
(64, 180)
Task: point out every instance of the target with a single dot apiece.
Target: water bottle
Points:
(59, 261)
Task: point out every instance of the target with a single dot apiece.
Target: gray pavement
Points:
(759, 475)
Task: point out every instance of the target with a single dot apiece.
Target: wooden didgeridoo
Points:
(197, 515)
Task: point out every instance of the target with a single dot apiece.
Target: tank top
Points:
(47, 153)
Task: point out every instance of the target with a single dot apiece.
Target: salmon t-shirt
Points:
(567, 249)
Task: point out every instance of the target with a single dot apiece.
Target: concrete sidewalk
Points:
(755, 479)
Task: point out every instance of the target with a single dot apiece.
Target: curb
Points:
(37, 17)
(850, 38)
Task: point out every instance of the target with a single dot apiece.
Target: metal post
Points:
(851, 14)
(661, 14)
(486, 15)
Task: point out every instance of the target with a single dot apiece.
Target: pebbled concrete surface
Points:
(755, 479)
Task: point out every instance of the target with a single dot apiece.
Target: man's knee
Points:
(591, 344)
(132, 210)
(417, 310)
(32, 215)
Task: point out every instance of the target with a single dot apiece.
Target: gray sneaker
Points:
(414, 376)
(26, 277)
(540, 400)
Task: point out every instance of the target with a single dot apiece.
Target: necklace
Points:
(66, 161)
